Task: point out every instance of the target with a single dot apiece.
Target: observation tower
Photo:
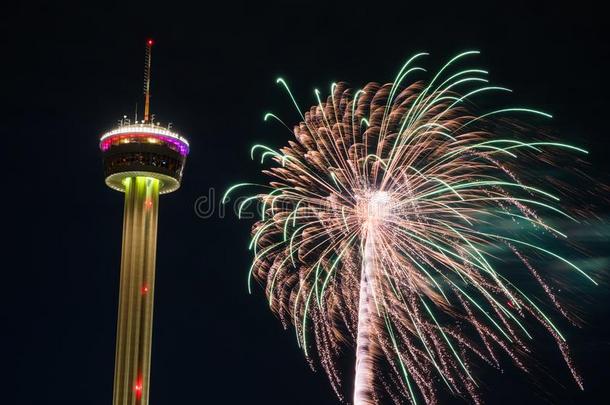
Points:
(142, 160)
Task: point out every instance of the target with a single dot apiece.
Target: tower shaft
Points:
(134, 329)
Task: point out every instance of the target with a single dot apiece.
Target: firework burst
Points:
(382, 228)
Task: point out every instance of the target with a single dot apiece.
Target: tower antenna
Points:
(147, 60)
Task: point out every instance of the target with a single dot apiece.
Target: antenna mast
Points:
(147, 59)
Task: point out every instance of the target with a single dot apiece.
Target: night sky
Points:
(69, 72)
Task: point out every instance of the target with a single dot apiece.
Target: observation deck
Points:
(143, 150)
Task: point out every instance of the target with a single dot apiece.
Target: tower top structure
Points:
(145, 148)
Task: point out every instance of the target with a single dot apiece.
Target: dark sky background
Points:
(70, 71)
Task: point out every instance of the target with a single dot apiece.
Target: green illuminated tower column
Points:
(134, 328)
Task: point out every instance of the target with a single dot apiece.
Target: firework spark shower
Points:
(381, 229)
